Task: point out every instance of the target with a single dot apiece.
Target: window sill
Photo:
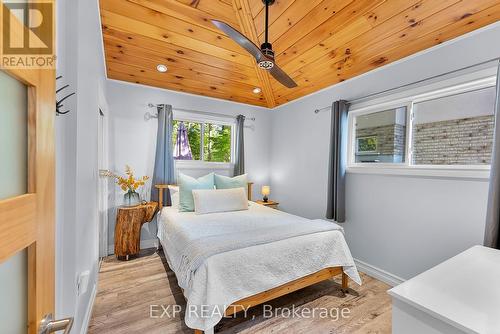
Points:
(189, 164)
(479, 174)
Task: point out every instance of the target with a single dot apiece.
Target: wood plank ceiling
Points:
(317, 42)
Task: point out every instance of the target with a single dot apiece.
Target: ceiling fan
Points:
(263, 55)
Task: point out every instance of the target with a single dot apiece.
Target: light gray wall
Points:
(133, 140)
(405, 225)
(399, 224)
(81, 63)
(66, 251)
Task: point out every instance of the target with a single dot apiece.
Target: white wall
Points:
(81, 63)
(133, 140)
(399, 224)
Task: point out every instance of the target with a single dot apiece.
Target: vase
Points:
(131, 198)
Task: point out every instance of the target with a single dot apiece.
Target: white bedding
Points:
(228, 276)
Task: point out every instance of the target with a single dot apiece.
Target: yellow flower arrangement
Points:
(128, 182)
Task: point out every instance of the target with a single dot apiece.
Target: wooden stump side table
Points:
(129, 221)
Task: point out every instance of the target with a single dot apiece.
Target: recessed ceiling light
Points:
(257, 90)
(161, 68)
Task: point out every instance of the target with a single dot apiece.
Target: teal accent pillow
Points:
(186, 186)
(224, 182)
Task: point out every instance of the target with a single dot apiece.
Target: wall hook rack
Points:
(59, 104)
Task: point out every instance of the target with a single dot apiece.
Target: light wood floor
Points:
(127, 289)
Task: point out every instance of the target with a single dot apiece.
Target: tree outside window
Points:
(209, 142)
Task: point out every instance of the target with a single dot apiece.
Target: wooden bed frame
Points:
(161, 188)
(278, 291)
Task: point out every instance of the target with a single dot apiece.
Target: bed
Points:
(227, 262)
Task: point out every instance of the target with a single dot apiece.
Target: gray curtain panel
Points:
(492, 232)
(337, 164)
(239, 156)
(164, 160)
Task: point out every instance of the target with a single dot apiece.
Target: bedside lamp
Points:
(266, 190)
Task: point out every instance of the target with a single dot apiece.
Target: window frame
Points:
(407, 168)
(351, 151)
(202, 164)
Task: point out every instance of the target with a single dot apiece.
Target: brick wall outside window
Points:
(466, 141)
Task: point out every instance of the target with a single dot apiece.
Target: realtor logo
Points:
(28, 34)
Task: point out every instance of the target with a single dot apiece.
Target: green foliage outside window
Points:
(367, 144)
(217, 143)
(216, 140)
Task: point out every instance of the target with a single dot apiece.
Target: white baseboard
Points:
(152, 243)
(378, 273)
(88, 312)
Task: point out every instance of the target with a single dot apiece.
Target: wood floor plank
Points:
(128, 289)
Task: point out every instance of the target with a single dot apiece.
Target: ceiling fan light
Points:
(266, 64)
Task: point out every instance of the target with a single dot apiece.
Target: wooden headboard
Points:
(162, 187)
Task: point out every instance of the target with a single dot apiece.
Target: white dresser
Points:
(460, 295)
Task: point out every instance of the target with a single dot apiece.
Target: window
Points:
(451, 127)
(381, 136)
(202, 141)
(454, 130)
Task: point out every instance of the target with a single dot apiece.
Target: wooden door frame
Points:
(28, 220)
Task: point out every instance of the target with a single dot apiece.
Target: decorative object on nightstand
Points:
(129, 221)
(269, 204)
(266, 190)
(129, 184)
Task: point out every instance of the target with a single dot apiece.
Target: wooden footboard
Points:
(284, 289)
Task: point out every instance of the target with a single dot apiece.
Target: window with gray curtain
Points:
(492, 231)
(337, 163)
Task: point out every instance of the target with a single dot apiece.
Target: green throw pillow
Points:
(224, 182)
(186, 186)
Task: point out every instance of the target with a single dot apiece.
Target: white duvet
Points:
(253, 250)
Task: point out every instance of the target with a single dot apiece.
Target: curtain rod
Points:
(150, 105)
(316, 111)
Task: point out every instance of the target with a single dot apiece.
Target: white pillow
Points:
(219, 200)
(174, 195)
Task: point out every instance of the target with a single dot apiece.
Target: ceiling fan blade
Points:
(239, 38)
(282, 77)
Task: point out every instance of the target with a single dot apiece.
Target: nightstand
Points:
(269, 204)
(129, 221)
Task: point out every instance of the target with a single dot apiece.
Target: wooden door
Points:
(27, 206)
